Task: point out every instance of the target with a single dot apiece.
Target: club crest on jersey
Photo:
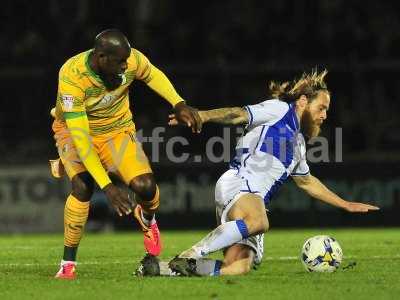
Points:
(68, 101)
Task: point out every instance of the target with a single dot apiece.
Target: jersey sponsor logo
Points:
(107, 99)
(68, 101)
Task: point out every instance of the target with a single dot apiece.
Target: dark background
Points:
(216, 53)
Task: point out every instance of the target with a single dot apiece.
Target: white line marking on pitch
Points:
(268, 258)
(56, 264)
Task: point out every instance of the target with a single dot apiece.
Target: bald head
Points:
(111, 41)
(110, 57)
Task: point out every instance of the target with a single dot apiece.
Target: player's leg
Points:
(76, 212)
(247, 217)
(241, 257)
(148, 199)
(241, 215)
(238, 260)
(76, 208)
(146, 194)
(124, 155)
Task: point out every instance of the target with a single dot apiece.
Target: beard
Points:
(308, 126)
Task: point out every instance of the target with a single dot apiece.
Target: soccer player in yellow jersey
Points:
(95, 134)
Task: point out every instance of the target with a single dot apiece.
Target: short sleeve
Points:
(143, 66)
(267, 112)
(70, 95)
(302, 168)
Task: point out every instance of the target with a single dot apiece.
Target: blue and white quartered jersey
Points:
(271, 150)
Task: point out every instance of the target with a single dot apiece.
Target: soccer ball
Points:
(321, 253)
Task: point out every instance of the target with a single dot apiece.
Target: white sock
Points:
(204, 267)
(208, 267)
(221, 237)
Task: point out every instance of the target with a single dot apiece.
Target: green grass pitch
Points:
(28, 263)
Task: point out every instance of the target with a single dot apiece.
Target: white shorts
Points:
(227, 192)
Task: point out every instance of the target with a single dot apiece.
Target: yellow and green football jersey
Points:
(81, 90)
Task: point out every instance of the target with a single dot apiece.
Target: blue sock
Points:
(242, 228)
(217, 268)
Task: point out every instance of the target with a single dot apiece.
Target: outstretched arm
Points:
(226, 115)
(316, 189)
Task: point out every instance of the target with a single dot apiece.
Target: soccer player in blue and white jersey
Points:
(272, 149)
